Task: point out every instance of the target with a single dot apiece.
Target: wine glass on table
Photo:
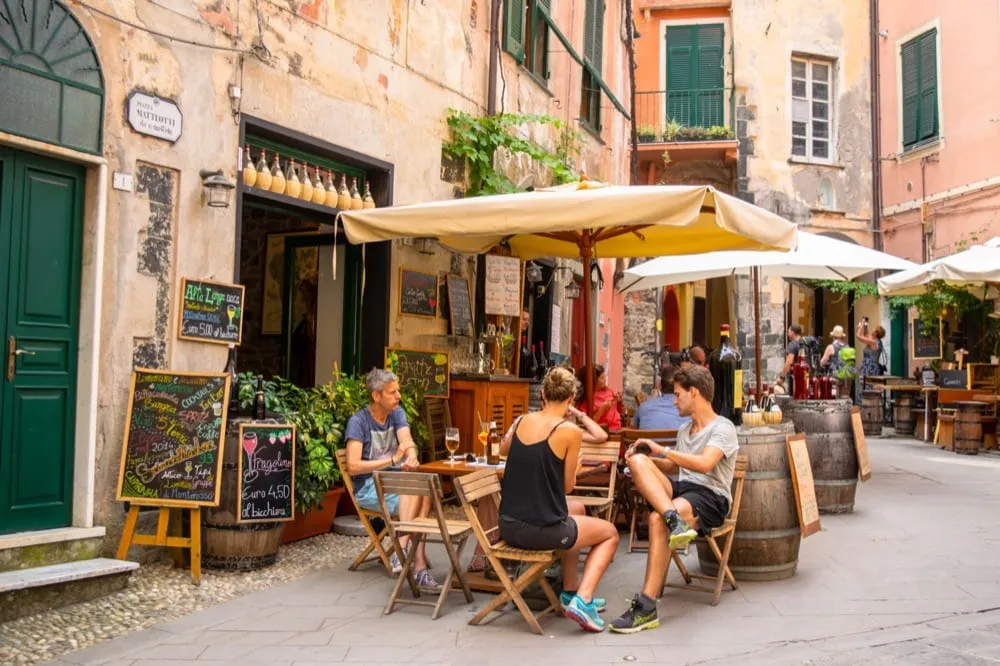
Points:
(451, 442)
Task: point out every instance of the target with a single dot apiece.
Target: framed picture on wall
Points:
(307, 267)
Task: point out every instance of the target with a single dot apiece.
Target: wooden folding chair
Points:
(636, 503)
(598, 496)
(437, 416)
(727, 530)
(452, 534)
(485, 483)
(366, 516)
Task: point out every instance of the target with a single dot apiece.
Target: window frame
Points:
(590, 89)
(938, 138)
(535, 19)
(810, 61)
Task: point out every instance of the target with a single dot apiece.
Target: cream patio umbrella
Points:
(583, 220)
(978, 266)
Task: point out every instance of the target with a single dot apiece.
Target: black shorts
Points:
(709, 507)
(520, 534)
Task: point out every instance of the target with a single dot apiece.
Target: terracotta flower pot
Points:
(316, 522)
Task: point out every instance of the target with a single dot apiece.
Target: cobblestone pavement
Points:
(911, 577)
(159, 592)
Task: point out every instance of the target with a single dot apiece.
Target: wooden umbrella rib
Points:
(564, 236)
(614, 232)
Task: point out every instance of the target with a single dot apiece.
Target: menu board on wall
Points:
(211, 311)
(925, 343)
(266, 473)
(803, 485)
(426, 371)
(418, 293)
(459, 305)
(503, 286)
(172, 449)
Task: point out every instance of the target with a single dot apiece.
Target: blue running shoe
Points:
(584, 614)
(600, 604)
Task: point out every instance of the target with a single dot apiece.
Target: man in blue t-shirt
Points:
(660, 412)
(378, 437)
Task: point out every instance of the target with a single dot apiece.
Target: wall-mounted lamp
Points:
(572, 290)
(216, 188)
(533, 273)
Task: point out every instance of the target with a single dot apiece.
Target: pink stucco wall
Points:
(969, 57)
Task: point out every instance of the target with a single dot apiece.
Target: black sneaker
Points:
(635, 619)
(681, 536)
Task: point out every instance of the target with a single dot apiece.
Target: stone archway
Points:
(51, 76)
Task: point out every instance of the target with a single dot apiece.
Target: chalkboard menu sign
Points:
(418, 293)
(954, 379)
(426, 371)
(172, 450)
(925, 344)
(211, 312)
(266, 473)
(503, 285)
(460, 305)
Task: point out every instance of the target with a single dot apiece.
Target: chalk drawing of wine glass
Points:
(188, 466)
(250, 445)
(231, 313)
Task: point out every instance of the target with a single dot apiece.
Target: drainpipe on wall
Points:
(630, 49)
(876, 122)
(491, 85)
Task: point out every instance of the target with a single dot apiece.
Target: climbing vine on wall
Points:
(475, 140)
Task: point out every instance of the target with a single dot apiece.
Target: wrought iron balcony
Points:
(677, 116)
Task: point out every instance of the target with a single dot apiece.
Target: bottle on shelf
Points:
(307, 187)
(331, 190)
(369, 200)
(525, 362)
(249, 170)
(277, 176)
(293, 186)
(259, 405)
(725, 366)
(319, 189)
(765, 398)
(263, 172)
(493, 445)
(533, 366)
(343, 194)
(543, 364)
(800, 377)
(234, 381)
(356, 202)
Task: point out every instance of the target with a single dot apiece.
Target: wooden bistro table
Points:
(477, 580)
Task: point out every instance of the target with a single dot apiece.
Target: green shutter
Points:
(711, 80)
(545, 6)
(681, 73)
(695, 75)
(598, 32)
(928, 124)
(910, 73)
(513, 29)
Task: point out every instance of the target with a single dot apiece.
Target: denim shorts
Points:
(367, 497)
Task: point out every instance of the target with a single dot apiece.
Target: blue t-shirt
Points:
(659, 413)
(378, 440)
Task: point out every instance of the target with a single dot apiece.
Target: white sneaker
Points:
(395, 564)
(425, 578)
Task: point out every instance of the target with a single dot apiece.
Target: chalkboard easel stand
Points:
(192, 543)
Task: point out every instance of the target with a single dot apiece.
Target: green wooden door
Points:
(41, 202)
(695, 75)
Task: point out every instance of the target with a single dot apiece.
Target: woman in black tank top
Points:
(543, 458)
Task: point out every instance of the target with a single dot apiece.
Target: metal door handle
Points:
(23, 352)
(12, 353)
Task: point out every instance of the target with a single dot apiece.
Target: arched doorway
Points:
(671, 320)
(53, 92)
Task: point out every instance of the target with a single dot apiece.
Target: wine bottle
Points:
(234, 381)
(319, 189)
(523, 368)
(356, 202)
(331, 190)
(263, 172)
(543, 365)
(533, 366)
(277, 176)
(306, 193)
(343, 194)
(249, 171)
(369, 200)
(259, 406)
(293, 186)
(723, 364)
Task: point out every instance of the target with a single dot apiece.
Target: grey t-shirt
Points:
(378, 440)
(720, 433)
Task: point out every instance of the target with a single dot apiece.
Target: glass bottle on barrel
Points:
(493, 445)
(725, 366)
(259, 405)
(234, 382)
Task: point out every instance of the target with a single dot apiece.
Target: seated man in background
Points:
(378, 438)
(660, 412)
(704, 460)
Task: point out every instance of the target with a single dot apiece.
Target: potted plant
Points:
(670, 131)
(646, 133)
(719, 133)
(692, 134)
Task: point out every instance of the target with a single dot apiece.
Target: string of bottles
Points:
(763, 411)
(534, 361)
(301, 181)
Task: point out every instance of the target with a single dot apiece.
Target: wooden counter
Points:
(495, 398)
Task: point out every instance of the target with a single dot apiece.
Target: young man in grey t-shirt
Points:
(704, 461)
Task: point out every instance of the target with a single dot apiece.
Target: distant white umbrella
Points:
(978, 266)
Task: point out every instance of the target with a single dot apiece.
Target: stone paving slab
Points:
(910, 578)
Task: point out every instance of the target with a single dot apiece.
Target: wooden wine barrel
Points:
(227, 544)
(903, 413)
(819, 415)
(969, 427)
(766, 543)
(834, 462)
(872, 415)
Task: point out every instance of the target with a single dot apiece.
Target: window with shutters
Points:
(593, 53)
(696, 75)
(919, 79)
(812, 109)
(526, 34)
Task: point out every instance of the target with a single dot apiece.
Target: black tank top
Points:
(533, 483)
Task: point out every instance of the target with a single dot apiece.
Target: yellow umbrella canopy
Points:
(583, 220)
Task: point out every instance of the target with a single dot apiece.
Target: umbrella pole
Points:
(587, 253)
(756, 325)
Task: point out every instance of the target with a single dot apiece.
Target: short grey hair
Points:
(378, 378)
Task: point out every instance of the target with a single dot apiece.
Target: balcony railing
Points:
(698, 114)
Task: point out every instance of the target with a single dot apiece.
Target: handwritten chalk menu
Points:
(925, 343)
(860, 444)
(266, 473)
(418, 293)
(426, 371)
(172, 449)
(503, 286)
(211, 311)
(459, 305)
(802, 483)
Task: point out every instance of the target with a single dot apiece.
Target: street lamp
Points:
(216, 188)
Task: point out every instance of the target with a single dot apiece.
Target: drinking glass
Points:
(451, 441)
